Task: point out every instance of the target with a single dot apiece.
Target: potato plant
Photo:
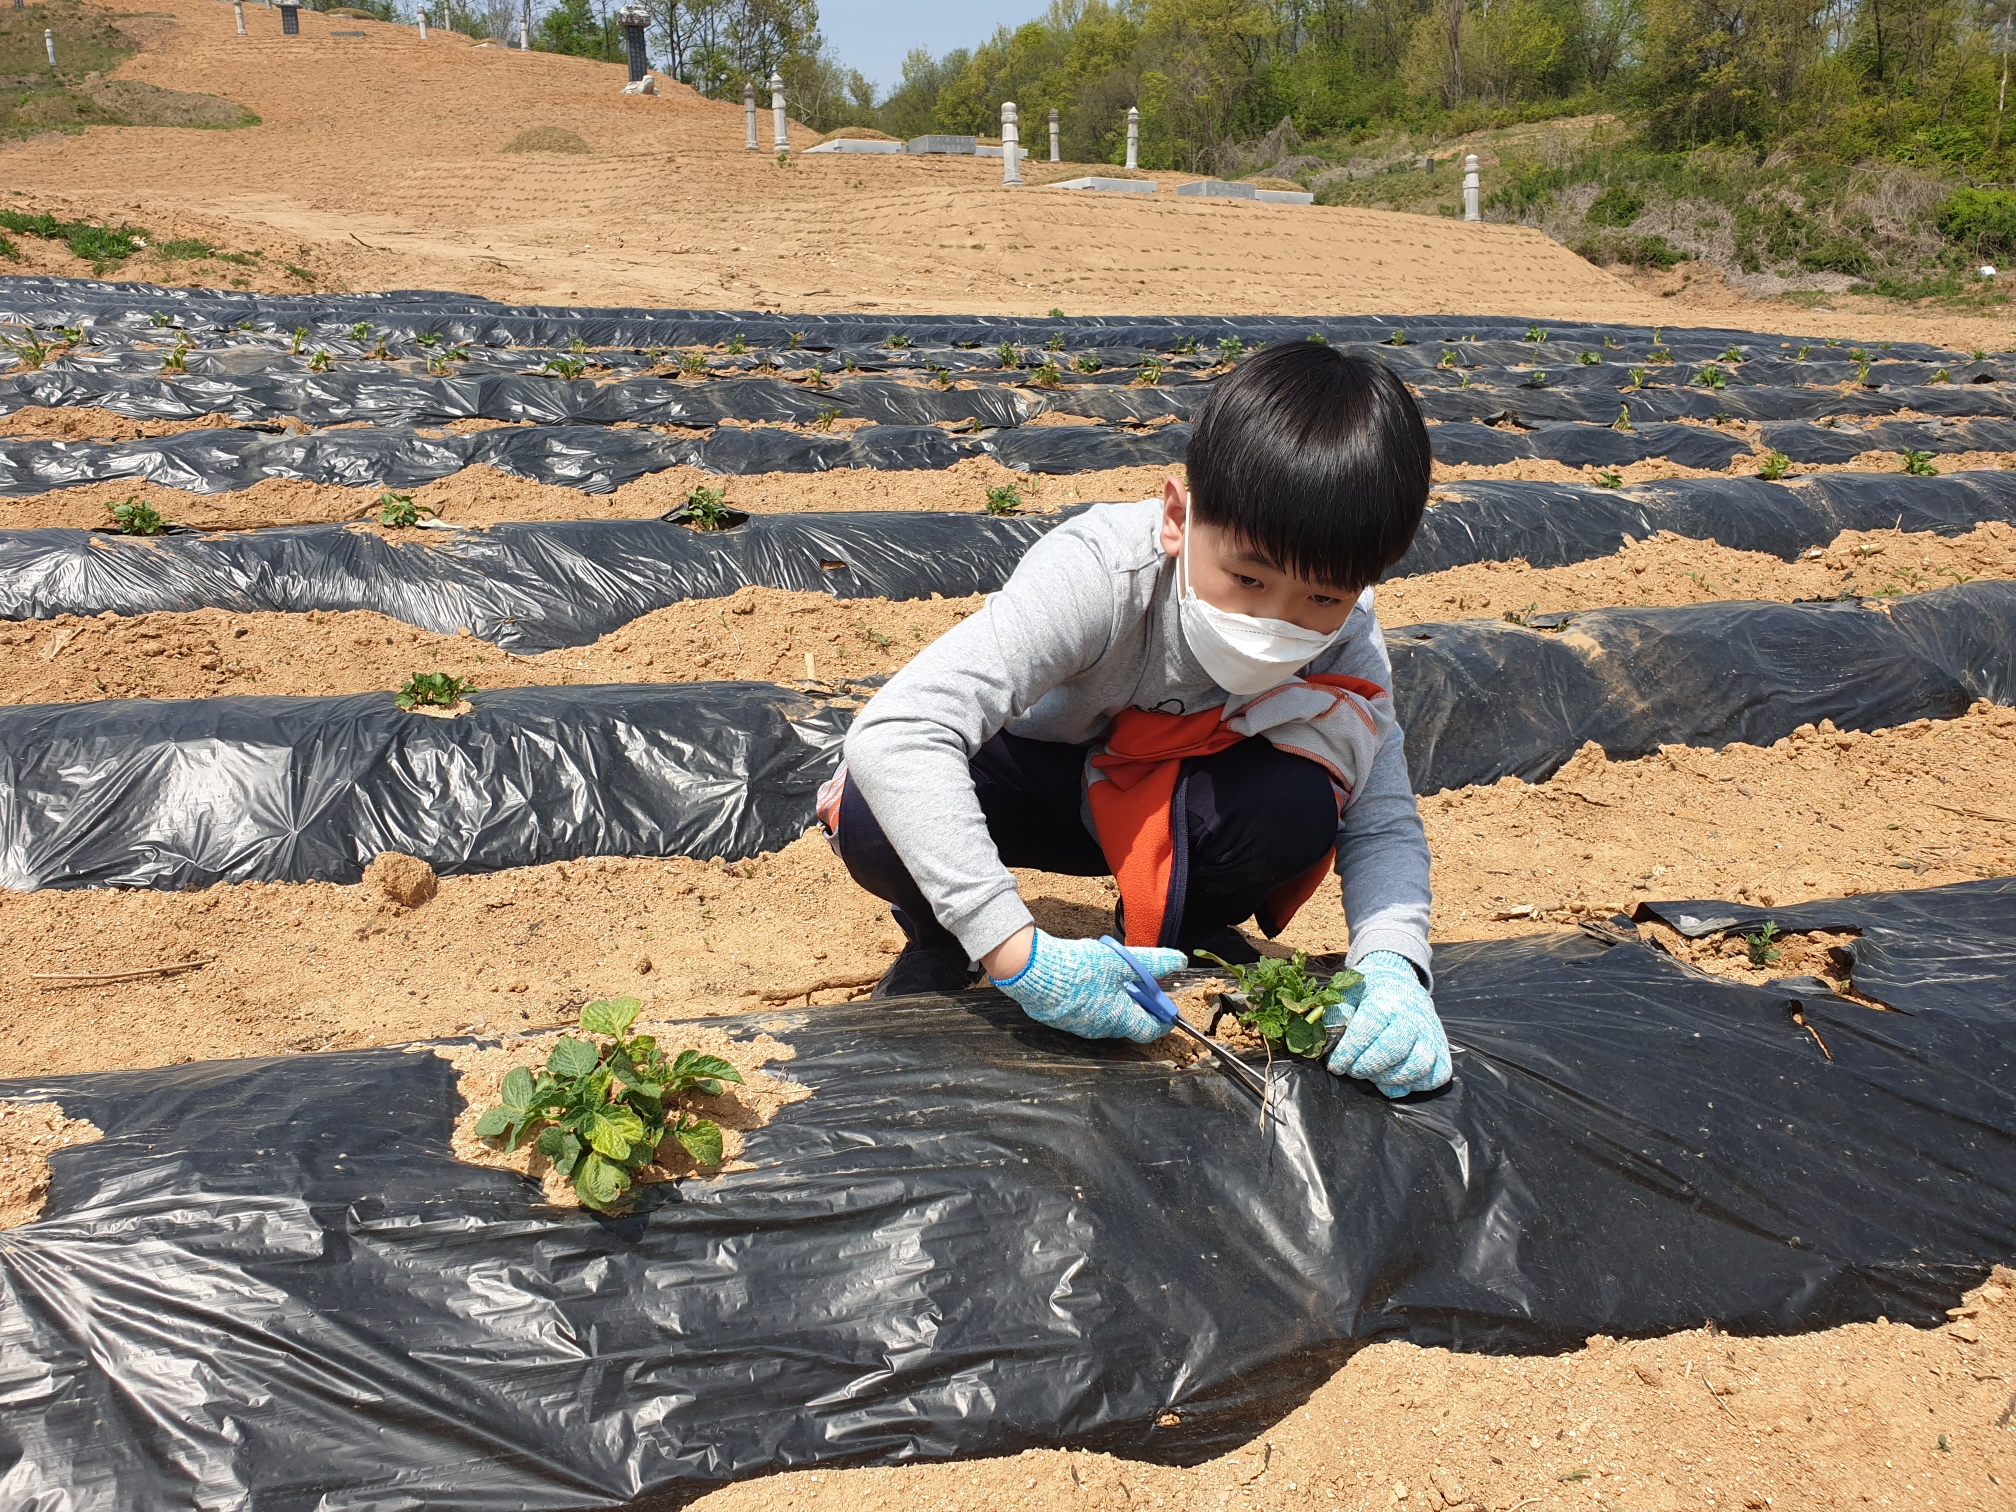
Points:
(136, 517)
(599, 1111)
(1004, 499)
(399, 512)
(707, 508)
(432, 690)
(1284, 1004)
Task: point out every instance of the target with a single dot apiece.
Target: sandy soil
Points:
(480, 1077)
(318, 966)
(1872, 1414)
(479, 496)
(29, 1134)
(71, 422)
(767, 633)
(382, 195)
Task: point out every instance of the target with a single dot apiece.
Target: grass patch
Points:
(546, 139)
(101, 246)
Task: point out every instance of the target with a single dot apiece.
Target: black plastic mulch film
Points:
(175, 794)
(270, 1279)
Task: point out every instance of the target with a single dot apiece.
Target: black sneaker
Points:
(923, 969)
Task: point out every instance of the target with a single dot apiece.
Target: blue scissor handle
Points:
(1146, 992)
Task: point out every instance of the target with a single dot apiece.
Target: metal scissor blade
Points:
(1242, 1073)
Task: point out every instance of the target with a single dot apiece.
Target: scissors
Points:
(1147, 993)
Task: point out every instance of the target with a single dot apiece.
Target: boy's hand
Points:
(1394, 1039)
(1077, 986)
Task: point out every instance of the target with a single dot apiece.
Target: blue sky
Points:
(873, 35)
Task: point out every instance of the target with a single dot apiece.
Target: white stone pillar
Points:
(238, 11)
(749, 115)
(1011, 147)
(777, 110)
(49, 41)
(422, 15)
(1054, 157)
(1133, 137)
(525, 28)
(1470, 188)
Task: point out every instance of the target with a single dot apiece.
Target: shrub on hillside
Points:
(1983, 221)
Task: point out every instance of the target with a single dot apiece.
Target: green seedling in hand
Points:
(432, 690)
(1712, 377)
(1055, 343)
(599, 1111)
(1609, 480)
(565, 367)
(1536, 334)
(1398, 338)
(1919, 464)
(707, 508)
(1004, 499)
(1010, 357)
(1776, 465)
(825, 418)
(1284, 1004)
(399, 512)
(1762, 951)
(136, 517)
(1230, 349)
(1589, 359)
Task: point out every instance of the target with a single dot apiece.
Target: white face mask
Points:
(1243, 654)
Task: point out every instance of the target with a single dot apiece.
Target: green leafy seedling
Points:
(319, 363)
(1087, 364)
(565, 367)
(599, 1111)
(1185, 346)
(825, 418)
(1919, 464)
(1521, 617)
(797, 340)
(897, 341)
(1609, 480)
(432, 690)
(300, 335)
(1856, 354)
(1712, 377)
(398, 511)
(361, 330)
(1048, 375)
(1055, 313)
(1862, 375)
(1398, 338)
(1004, 499)
(177, 361)
(1447, 359)
(1612, 341)
(136, 517)
(1638, 376)
(430, 340)
(1284, 1003)
(693, 364)
(1659, 354)
(940, 375)
(1775, 466)
(1151, 373)
(1979, 354)
(30, 352)
(1589, 359)
(1009, 355)
(1730, 353)
(737, 345)
(1800, 355)
(1940, 375)
(1623, 420)
(441, 363)
(1762, 951)
(577, 345)
(1536, 334)
(1230, 349)
(1536, 379)
(1055, 343)
(1319, 338)
(707, 508)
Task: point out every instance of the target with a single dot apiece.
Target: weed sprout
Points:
(1762, 951)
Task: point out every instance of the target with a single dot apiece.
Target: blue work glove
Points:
(1076, 986)
(1394, 1039)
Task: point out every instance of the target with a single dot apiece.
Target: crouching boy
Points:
(1190, 694)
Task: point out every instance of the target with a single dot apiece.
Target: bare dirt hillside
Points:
(379, 163)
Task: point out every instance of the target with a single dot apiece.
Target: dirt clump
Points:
(405, 880)
(546, 139)
(740, 1108)
(29, 1134)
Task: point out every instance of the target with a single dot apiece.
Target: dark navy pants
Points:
(1245, 821)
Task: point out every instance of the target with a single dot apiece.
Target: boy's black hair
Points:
(1316, 459)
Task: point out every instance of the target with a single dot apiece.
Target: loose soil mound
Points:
(546, 139)
(29, 1134)
(483, 496)
(318, 966)
(1851, 1417)
(737, 1110)
(767, 634)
